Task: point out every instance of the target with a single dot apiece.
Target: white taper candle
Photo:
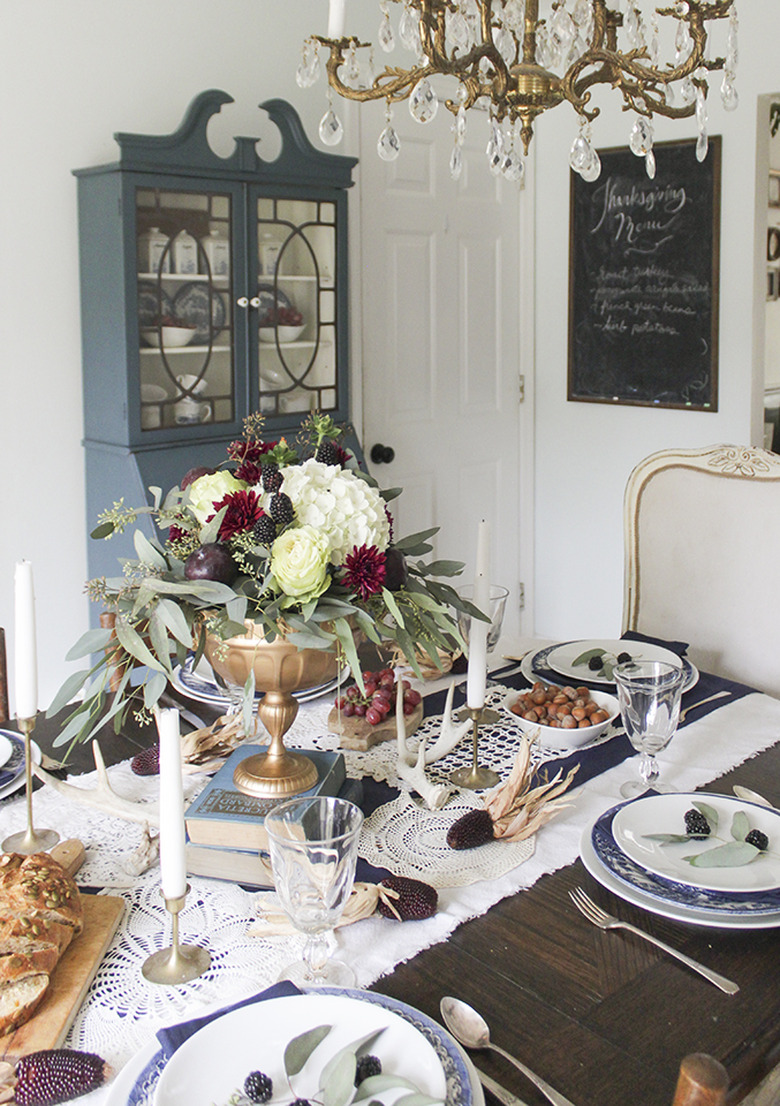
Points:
(476, 679)
(173, 863)
(25, 652)
(337, 15)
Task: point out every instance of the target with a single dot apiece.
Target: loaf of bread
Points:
(40, 914)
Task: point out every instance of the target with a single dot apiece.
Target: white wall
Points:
(584, 451)
(73, 73)
(76, 71)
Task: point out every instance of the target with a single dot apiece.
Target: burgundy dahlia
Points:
(243, 511)
(245, 451)
(364, 570)
(250, 472)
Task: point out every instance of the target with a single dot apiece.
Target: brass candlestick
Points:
(178, 963)
(475, 777)
(29, 841)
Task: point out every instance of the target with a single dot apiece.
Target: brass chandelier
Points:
(516, 64)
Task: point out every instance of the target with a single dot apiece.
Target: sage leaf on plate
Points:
(734, 854)
(669, 838)
(300, 1048)
(709, 812)
(583, 658)
(740, 827)
(376, 1084)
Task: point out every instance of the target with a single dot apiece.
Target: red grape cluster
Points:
(282, 316)
(379, 699)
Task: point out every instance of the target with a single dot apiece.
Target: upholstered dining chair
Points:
(702, 558)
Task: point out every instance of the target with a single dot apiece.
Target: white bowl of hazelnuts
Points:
(566, 717)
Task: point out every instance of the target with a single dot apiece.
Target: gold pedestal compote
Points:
(280, 668)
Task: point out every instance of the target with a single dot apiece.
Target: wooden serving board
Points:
(49, 1025)
(360, 735)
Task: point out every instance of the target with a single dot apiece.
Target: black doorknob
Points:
(382, 454)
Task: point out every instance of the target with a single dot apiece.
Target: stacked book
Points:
(226, 828)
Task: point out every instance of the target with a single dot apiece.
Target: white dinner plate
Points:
(135, 1084)
(6, 749)
(665, 814)
(676, 911)
(197, 685)
(561, 657)
(535, 666)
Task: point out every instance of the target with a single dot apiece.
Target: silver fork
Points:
(600, 918)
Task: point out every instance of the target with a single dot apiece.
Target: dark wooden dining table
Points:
(604, 1017)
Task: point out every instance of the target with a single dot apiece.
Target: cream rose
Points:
(210, 489)
(299, 563)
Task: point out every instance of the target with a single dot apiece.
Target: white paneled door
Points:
(441, 339)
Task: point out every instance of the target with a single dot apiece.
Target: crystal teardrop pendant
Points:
(650, 164)
(702, 145)
(331, 130)
(641, 140)
(409, 28)
(495, 148)
(592, 171)
(513, 167)
(388, 145)
(385, 35)
(458, 35)
(504, 42)
(423, 104)
(456, 161)
(687, 91)
(729, 95)
(581, 153)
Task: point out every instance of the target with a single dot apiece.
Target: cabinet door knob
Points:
(242, 301)
(382, 454)
(255, 301)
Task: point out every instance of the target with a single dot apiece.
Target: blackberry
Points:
(624, 658)
(264, 531)
(300, 1102)
(367, 1066)
(759, 839)
(472, 829)
(595, 664)
(258, 1087)
(696, 825)
(327, 453)
(281, 509)
(272, 478)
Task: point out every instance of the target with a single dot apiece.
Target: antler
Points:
(103, 797)
(412, 770)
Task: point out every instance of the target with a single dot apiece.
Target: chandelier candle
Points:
(24, 644)
(172, 854)
(336, 18)
(476, 680)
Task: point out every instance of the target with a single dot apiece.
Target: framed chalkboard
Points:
(644, 262)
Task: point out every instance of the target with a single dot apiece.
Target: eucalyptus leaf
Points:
(407, 544)
(353, 1049)
(416, 1099)
(669, 838)
(67, 691)
(103, 530)
(734, 854)
(132, 642)
(153, 689)
(338, 1085)
(709, 812)
(92, 641)
(146, 551)
(740, 827)
(300, 1048)
(377, 1084)
(587, 656)
(174, 619)
(607, 669)
(393, 607)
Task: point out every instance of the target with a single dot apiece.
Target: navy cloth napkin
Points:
(174, 1036)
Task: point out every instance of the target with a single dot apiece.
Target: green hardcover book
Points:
(223, 815)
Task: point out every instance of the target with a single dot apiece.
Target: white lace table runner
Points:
(122, 1011)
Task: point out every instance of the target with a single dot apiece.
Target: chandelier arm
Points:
(399, 82)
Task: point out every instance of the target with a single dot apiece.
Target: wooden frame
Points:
(644, 261)
(774, 188)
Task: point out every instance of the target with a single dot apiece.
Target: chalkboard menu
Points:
(643, 280)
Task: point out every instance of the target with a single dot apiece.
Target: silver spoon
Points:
(471, 1029)
(750, 796)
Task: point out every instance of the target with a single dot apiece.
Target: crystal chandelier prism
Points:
(516, 63)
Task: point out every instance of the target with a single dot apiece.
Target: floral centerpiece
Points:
(298, 540)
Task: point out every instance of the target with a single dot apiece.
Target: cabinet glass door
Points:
(185, 294)
(296, 314)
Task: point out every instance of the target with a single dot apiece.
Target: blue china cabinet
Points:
(211, 288)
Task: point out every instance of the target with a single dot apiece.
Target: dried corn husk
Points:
(518, 810)
(205, 750)
(360, 904)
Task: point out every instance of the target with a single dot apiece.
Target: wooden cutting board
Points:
(72, 976)
(356, 733)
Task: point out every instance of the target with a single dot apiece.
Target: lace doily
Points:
(411, 840)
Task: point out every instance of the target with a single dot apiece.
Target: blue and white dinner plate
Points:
(153, 303)
(609, 865)
(12, 772)
(270, 299)
(192, 302)
(139, 1083)
(196, 685)
(535, 666)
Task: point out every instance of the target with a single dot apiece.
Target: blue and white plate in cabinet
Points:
(193, 302)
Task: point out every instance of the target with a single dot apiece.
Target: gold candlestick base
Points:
(474, 777)
(178, 963)
(29, 841)
(486, 715)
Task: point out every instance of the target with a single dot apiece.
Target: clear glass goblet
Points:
(649, 696)
(313, 842)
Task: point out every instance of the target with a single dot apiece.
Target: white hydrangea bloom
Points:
(339, 505)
